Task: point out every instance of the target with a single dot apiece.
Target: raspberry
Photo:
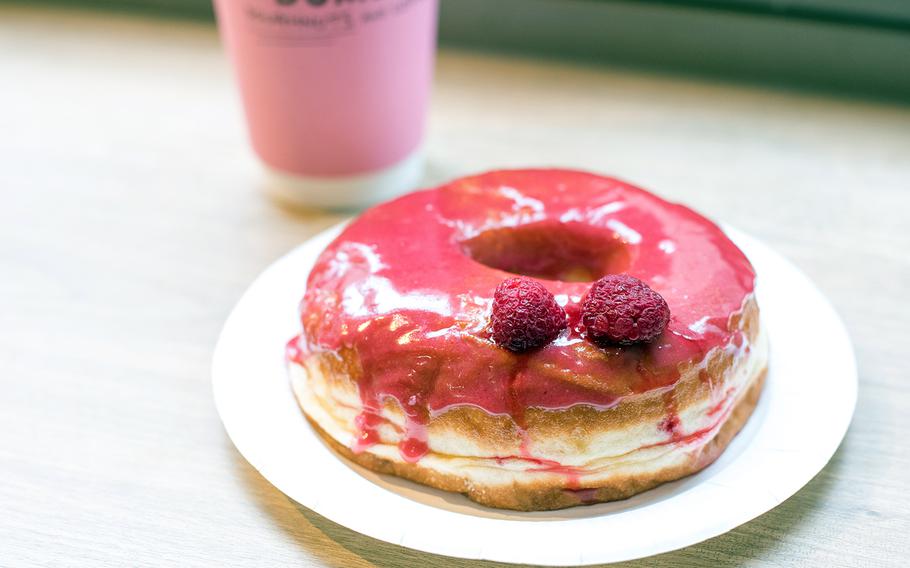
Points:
(620, 309)
(525, 315)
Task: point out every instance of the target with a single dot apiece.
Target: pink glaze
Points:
(367, 423)
(585, 496)
(399, 287)
(695, 436)
(572, 474)
(722, 403)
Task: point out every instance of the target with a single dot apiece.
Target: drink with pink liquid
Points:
(335, 92)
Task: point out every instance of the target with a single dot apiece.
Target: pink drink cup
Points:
(335, 92)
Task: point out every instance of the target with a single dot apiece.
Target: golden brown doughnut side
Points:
(543, 495)
(617, 452)
(334, 378)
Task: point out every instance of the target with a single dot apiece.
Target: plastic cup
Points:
(335, 93)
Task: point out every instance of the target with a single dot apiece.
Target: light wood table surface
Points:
(131, 221)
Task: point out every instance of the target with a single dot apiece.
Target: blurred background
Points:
(132, 220)
(857, 46)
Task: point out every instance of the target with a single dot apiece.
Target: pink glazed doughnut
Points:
(396, 369)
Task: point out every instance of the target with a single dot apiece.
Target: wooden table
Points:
(131, 222)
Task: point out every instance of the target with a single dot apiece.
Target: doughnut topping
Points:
(403, 296)
(622, 310)
(525, 315)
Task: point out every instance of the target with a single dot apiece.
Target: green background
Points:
(849, 46)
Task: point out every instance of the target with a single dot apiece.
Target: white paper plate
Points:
(801, 418)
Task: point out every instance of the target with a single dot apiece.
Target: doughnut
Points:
(399, 367)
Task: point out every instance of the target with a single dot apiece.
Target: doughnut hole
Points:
(551, 250)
